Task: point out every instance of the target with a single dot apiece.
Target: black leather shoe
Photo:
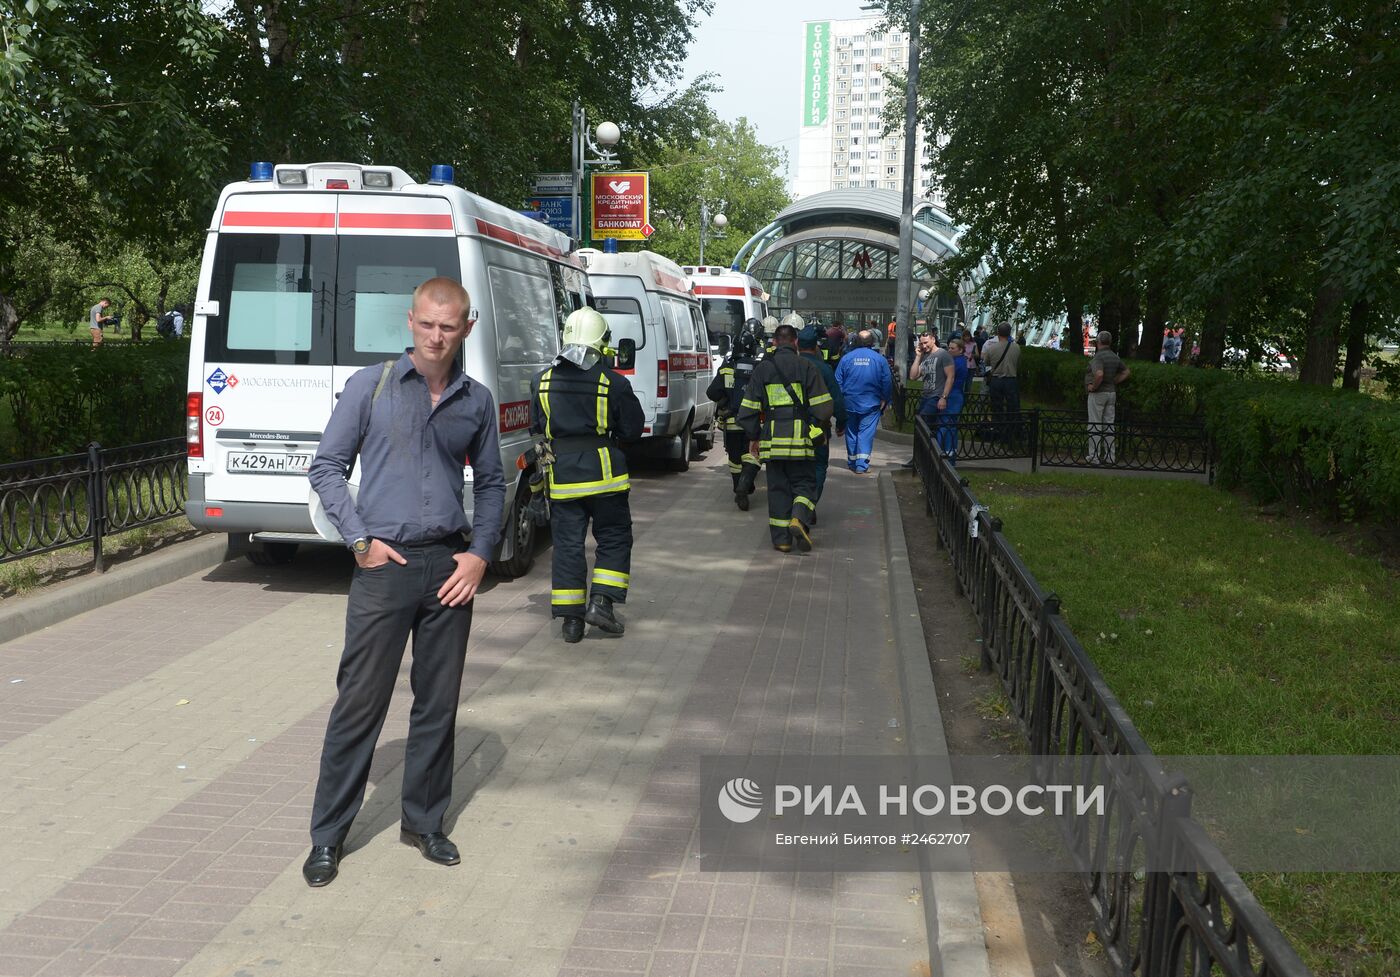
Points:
(573, 630)
(600, 615)
(434, 845)
(322, 865)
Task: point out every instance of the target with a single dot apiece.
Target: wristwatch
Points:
(361, 546)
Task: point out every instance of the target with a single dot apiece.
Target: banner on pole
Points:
(621, 206)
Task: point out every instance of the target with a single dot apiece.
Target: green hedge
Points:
(60, 398)
(1331, 451)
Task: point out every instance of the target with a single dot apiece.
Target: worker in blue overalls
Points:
(864, 378)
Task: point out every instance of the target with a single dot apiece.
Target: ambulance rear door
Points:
(269, 328)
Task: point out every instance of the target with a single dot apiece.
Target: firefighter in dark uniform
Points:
(785, 407)
(727, 390)
(584, 410)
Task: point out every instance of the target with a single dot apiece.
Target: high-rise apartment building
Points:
(842, 143)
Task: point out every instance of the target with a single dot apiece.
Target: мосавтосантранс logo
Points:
(740, 800)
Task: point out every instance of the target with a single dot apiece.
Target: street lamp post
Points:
(600, 144)
(720, 223)
(904, 293)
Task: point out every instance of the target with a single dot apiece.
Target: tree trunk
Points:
(1129, 317)
(352, 41)
(1324, 336)
(1357, 324)
(9, 323)
(1213, 329)
(280, 51)
(1074, 311)
(1154, 322)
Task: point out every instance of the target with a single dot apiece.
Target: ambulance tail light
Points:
(663, 379)
(194, 425)
(337, 184)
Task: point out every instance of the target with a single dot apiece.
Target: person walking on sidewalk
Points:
(411, 421)
(584, 410)
(1101, 379)
(807, 341)
(727, 390)
(781, 412)
(864, 378)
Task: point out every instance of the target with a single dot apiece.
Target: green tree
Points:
(729, 169)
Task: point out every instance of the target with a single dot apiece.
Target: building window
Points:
(855, 140)
(840, 99)
(889, 184)
(874, 154)
(840, 113)
(873, 124)
(857, 97)
(889, 171)
(840, 128)
(857, 83)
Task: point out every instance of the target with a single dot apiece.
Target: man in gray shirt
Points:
(1102, 377)
(97, 318)
(1002, 357)
(413, 423)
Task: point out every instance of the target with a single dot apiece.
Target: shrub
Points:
(1332, 451)
(60, 398)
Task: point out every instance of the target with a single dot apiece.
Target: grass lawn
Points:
(1226, 632)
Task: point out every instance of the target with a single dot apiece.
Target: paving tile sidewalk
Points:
(142, 836)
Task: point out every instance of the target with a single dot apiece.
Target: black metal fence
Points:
(66, 500)
(1134, 441)
(1151, 923)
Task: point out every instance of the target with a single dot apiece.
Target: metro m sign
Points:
(620, 205)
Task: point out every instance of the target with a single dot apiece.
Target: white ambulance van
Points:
(307, 276)
(648, 299)
(728, 299)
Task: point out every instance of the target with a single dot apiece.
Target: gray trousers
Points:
(1103, 406)
(386, 605)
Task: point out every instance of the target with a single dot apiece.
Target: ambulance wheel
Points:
(705, 440)
(522, 530)
(271, 554)
(681, 463)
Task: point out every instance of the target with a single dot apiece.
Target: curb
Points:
(952, 910)
(893, 437)
(30, 614)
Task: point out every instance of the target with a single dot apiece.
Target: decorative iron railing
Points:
(1151, 923)
(1137, 442)
(53, 503)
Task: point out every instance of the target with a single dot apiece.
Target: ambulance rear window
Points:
(375, 279)
(275, 296)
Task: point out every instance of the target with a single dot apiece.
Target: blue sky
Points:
(755, 48)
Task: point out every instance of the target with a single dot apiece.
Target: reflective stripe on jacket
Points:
(783, 389)
(594, 405)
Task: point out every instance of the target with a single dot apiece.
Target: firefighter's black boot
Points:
(741, 499)
(600, 614)
(573, 630)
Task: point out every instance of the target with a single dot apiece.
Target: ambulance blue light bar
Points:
(261, 173)
(441, 173)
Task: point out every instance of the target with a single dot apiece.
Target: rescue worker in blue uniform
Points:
(809, 342)
(727, 390)
(584, 410)
(781, 412)
(864, 378)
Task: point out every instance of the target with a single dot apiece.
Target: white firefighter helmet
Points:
(585, 331)
(770, 322)
(585, 327)
(794, 320)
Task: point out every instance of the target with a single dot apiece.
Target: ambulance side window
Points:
(526, 327)
(564, 301)
(702, 339)
(678, 330)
